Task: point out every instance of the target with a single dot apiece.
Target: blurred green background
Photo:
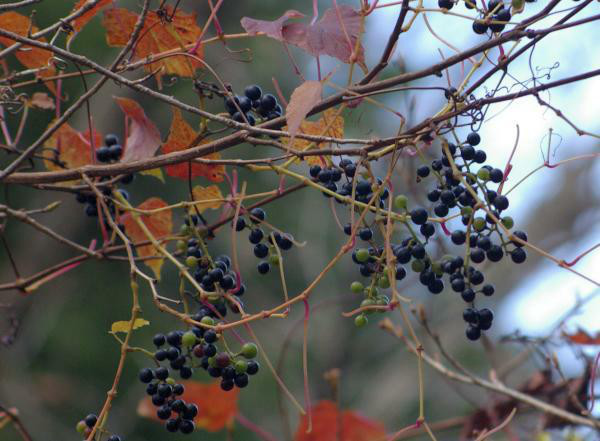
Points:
(63, 360)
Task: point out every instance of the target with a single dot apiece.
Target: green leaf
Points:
(123, 326)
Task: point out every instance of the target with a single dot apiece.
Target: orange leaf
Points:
(328, 125)
(157, 36)
(211, 194)
(328, 423)
(302, 101)
(72, 148)
(82, 20)
(160, 225)
(28, 56)
(181, 136)
(216, 408)
(144, 138)
(581, 337)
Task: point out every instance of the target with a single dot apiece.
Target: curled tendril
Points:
(547, 69)
(59, 63)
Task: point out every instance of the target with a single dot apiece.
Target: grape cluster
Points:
(254, 104)
(197, 348)
(465, 185)
(89, 199)
(85, 426)
(111, 151)
(340, 179)
(494, 18)
(165, 392)
(264, 245)
(214, 275)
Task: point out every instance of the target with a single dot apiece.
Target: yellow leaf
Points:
(207, 197)
(123, 326)
(328, 125)
(156, 172)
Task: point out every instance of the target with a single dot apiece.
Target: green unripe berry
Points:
(191, 261)
(241, 366)
(417, 265)
(508, 222)
(479, 224)
(362, 255)
(361, 320)
(249, 350)
(206, 320)
(181, 245)
(371, 291)
(367, 302)
(274, 259)
(383, 282)
(400, 202)
(171, 381)
(382, 301)
(185, 230)
(483, 174)
(212, 361)
(188, 339)
(436, 267)
(466, 211)
(81, 426)
(356, 287)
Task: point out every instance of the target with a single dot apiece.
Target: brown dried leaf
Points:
(303, 99)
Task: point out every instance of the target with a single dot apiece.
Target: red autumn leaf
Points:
(328, 424)
(328, 36)
(28, 56)
(82, 20)
(181, 137)
(581, 337)
(70, 147)
(303, 99)
(160, 224)
(273, 29)
(157, 36)
(216, 408)
(144, 137)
